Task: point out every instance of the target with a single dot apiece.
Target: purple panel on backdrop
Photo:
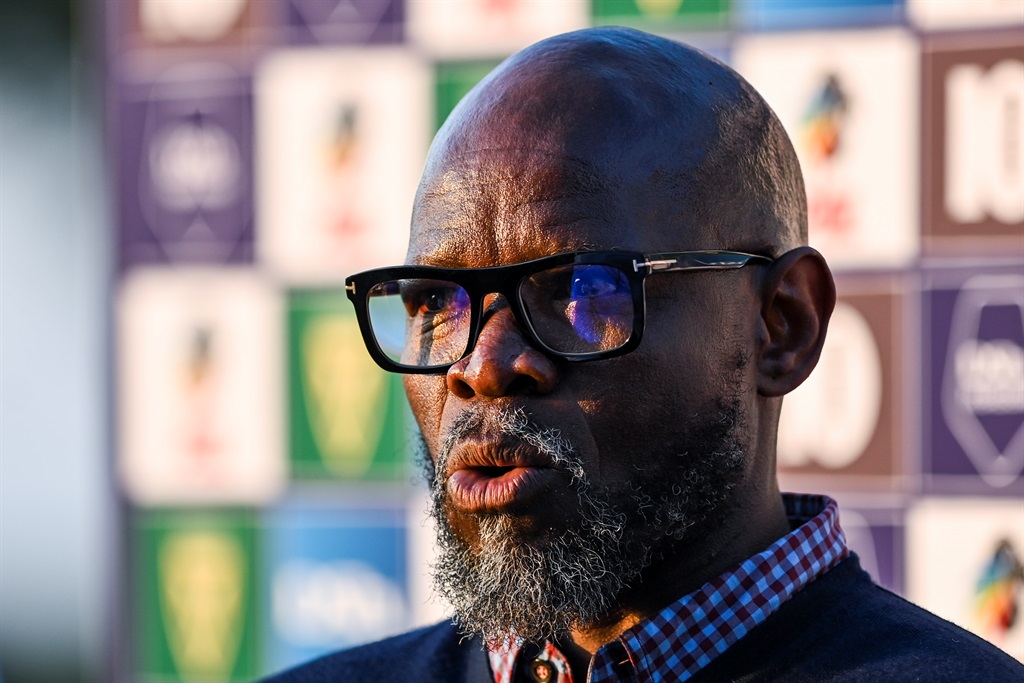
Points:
(185, 172)
(877, 538)
(351, 22)
(974, 383)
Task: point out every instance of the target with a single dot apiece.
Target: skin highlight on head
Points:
(664, 457)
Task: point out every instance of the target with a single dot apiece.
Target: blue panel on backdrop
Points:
(335, 577)
(783, 14)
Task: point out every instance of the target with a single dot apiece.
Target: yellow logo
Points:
(344, 395)
(202, 583)
(659, 8)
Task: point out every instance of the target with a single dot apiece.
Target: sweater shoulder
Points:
(899, 639)
(844, 627)
(435, 653)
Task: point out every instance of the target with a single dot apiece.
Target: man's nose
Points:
(503, 362)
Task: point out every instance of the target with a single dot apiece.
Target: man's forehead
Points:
(601, 139)
(498, 206)
(543, 173)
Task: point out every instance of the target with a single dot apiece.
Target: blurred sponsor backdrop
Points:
(205, 478)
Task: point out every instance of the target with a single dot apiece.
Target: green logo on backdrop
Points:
(681, 14)
(346, 414)
(453, 80)
(196, 607)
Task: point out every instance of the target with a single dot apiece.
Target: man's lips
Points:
(496, 476)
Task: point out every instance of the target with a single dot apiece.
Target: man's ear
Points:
(798, 298)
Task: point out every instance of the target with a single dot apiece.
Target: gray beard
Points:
(502, 587)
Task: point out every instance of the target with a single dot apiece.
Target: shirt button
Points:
(542, 671)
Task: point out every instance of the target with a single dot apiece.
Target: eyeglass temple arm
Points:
(696, 260)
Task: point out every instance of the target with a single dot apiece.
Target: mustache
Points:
(514, 423)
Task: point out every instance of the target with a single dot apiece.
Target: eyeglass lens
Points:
(579, 308)
(573, 309)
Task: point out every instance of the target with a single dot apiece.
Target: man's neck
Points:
(746, 531)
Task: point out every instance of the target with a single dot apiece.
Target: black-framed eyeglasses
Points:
(580, 306)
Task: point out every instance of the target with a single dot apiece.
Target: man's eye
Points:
(426, 301)
(433, 301)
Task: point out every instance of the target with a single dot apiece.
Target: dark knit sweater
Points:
(841, 627)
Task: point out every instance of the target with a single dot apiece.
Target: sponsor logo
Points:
(195, 169)
(983, 383)
(200, 397)
(829, 205)
(997, 593)
(984, 141)
(202, 590)
(659, 8)
(320, 604)
(186, 166)
(822, 124)
(690, 12)
(195, 165)
(344, 157)
(345, 394)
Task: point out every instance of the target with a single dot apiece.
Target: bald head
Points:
(650, 116)
(595, 141)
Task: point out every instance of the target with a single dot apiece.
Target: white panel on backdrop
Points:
(172, 20)
(960, 14)
(341, 139)
(475, 28)
(850, 103)
(965, 564)
(200, 376)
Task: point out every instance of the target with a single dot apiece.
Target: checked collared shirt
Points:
(685, 636)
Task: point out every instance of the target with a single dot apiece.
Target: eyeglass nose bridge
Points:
(481, 311)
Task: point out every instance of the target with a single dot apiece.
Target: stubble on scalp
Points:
(502, 587)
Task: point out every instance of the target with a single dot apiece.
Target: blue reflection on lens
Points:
(593, 287)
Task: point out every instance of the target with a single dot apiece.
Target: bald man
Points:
(606, 296)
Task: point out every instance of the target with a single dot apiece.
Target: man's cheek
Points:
(426, 395)
(619, 422)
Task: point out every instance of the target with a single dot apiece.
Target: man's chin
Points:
(535, 576)
(513, 581)
(480, 531)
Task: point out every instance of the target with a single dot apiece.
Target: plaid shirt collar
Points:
(685, 636)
